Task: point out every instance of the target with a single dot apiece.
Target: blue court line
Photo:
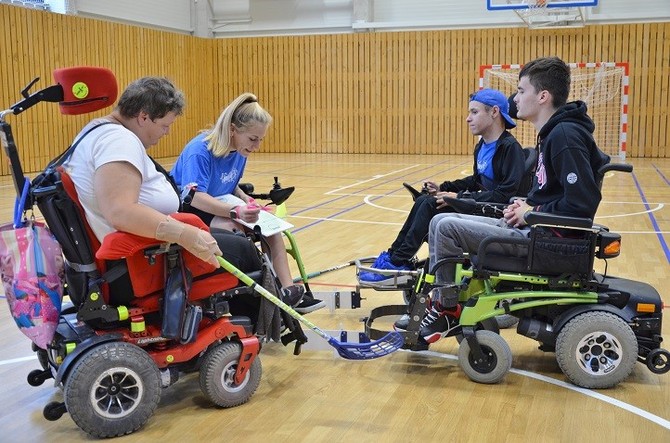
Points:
(351, 208)
(654, 223)
(665, 179)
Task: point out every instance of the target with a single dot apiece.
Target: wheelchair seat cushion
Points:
(147, 275)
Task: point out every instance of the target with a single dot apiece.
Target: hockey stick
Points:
(351, 351)
(323, 271)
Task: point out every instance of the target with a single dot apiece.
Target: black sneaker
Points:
(292, 295)
(438, 324)
(309, 304)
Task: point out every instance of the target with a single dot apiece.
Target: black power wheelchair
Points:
(597, 325)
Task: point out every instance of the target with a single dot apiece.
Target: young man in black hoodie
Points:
(565, 183)
(497, 176)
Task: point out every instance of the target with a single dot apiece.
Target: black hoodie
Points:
(565, 179)
(508, 174)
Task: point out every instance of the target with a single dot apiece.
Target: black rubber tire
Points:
(596, 350)
(498, 361)
(217, 376)
(112, 390)
(658, 361)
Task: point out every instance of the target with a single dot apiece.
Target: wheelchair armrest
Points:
(462, 205)
(466, 205)
(543, 218)
(621, 167)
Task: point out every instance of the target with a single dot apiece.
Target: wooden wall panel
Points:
(360, 93)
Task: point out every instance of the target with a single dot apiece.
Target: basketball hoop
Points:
(538, 14)
(535, 8)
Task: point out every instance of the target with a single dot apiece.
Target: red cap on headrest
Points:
(86, 89)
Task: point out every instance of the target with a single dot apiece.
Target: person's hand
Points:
(441, 204)
(248, 212)
(432, 187)
(514, 213)
(196, 241)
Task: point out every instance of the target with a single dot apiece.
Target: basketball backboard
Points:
(546, 13)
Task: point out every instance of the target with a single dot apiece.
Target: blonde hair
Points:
(242, 112)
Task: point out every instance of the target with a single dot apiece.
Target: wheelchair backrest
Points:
(530, 165)
(67, 223)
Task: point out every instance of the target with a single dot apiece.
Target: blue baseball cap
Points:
(493, 97)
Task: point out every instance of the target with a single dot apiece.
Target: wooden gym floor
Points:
(347, 207)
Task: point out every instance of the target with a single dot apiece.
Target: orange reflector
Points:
(646, 307)
(613, 248)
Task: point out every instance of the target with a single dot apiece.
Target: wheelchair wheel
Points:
(112, 389)
(497, 361)
(217, 376)
(596, 350)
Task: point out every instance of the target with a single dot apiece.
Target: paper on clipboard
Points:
(269, 223)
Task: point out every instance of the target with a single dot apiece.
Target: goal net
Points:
(602, 86)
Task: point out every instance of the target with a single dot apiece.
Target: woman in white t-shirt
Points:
(118, 184)
(120, 188)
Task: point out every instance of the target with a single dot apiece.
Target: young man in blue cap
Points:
(497, 174)
(565, 184)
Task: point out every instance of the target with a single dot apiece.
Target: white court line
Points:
(341, 220)
(17, 360)
(658, 207)
(376, 177)
(367, 201)
(561, 384)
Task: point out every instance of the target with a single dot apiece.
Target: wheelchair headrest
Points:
(86, 89)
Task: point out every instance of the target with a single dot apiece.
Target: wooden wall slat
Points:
(381, 92)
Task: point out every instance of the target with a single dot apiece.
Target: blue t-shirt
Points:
(214, 175)
(485, 163)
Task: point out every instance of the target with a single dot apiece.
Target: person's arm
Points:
(509, 169)
(117, 184)
(241, 194)
(581, 194)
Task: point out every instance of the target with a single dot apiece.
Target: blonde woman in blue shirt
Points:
(214, 162)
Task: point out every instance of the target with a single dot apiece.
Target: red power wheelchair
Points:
(141, 312)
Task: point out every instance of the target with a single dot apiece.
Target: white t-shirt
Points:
(113, 143)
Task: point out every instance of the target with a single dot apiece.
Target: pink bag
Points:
(31, 265)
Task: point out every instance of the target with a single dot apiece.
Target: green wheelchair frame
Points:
(598, 326)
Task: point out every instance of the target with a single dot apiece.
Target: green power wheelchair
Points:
(597, 325)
